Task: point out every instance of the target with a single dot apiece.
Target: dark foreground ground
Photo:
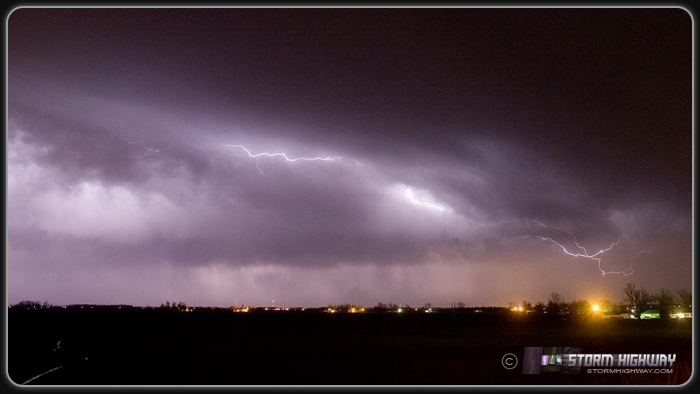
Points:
(164, 347)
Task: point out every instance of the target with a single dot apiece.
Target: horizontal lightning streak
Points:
(257, 156)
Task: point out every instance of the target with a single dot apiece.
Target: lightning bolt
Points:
(580, 251)
(414, 199)
(257, 156)
(583, 253)
(631, 264)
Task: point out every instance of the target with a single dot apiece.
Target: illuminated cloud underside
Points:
(399, 158)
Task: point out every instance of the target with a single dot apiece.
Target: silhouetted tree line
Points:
(665, 301)
(179, 306)
(636, 301)
(31, 305)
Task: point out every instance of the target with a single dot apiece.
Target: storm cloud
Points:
(463, 151)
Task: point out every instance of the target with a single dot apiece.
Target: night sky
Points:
(460, 154)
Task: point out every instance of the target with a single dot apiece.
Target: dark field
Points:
(164, 347)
